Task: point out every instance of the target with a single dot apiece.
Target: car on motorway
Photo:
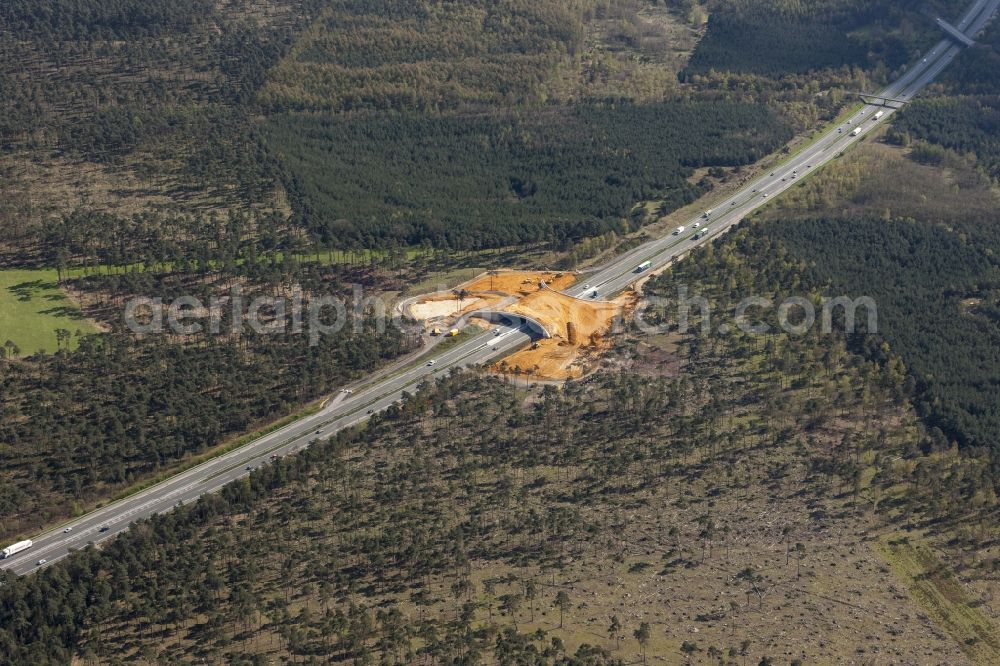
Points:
(104, 528)
(67, 530)
(430, 362)
(496, 333)
(249, 468)
(586, 286)
(495, 348)
(41, 561)
(370, 411)
(764, 195)
(696, 225)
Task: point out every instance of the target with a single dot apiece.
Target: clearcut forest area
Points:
(697, 496)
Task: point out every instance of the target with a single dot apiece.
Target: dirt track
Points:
(518, 282)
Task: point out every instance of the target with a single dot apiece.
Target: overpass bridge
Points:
(879, 100)
(954, 32)
(534, 326)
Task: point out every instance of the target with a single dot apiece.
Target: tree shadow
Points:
(63, 311)
(24, 291)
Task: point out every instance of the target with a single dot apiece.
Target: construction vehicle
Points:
(436, 331)
(16, 548)
(452, 333)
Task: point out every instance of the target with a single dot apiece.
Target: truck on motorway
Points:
(857, 131)
(878, 116)
(644, 266)
(707, 213)
(16, 548)
(678, 231)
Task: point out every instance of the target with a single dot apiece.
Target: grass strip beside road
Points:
(441, 347)
(818, 134)
(468, 333)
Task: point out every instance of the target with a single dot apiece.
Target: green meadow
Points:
(33, 307)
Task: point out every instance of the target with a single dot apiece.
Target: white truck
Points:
(678, 231)
(878, 116)
(857, 131)
(16, 548)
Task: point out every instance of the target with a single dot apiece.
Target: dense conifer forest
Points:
(489, 179)
(775, 38)
(937, 294)
(974, 71)
(964, 125)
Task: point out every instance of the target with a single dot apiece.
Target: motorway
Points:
(355, 405)
(344, 410)
(622, 271)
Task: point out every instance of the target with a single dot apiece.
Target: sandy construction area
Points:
(579, 332)
(548, 360)
(579, 328)
(559, 313)
(520, 282)
(446, 307)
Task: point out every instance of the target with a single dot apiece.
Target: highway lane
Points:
(348, 409)
(351, 408)
(622, 272)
